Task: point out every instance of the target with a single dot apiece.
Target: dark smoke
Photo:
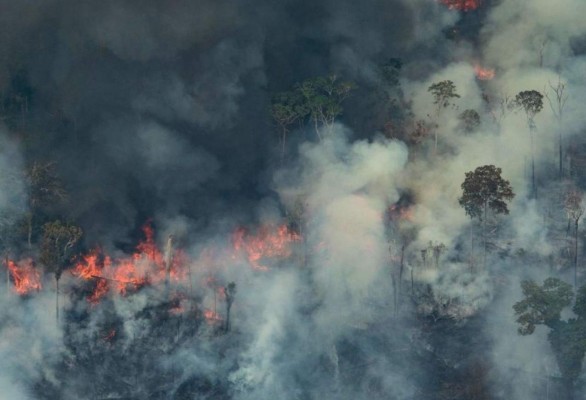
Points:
(159, 111)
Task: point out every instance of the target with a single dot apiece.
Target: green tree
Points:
(58, 241)
(286, 109)
(443, 93)
(484, 189)
(323, 97)
(543, 305)
(44, 189)
(229, 293)
(469, 120)
(531, 102)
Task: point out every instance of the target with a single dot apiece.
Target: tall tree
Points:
(58, 241)
(531, 102)
(286, 109)
(229, 293)
(543, 305)
(557, 102)
(323, 97)
(444, 93)
(574, 210)
(484, 189)
(44, 189)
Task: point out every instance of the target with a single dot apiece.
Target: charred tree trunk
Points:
(57, 298)
(576, 253)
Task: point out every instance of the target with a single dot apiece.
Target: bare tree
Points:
(557, 102)
(229, 293)
(531, 102)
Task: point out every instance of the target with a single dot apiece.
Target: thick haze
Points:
(161, 110)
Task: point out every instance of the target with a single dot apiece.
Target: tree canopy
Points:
(485, 188)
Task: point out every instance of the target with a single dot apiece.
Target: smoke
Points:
(160, 111)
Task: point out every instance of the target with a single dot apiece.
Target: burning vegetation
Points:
(25, 276)
(400, 207)
(462, 5)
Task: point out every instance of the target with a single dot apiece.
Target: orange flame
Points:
(110, 335)
(25, 276)
(483, 73)
(462, 5)
(211, 316)
(145, 266)
(268, 242)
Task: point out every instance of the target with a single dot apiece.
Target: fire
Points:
(25, 276)
(211, 316)
(462, 5)
(268, 242)
(401, 213)
(147, 265)
(483, 73)
(109, 335)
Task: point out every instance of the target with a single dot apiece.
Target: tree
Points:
(574, 210)
(229, 293)
(58, 241)
(323, 97)
(557, 105)
(543, 305)
(443, 93)
(44, 189)
(531, 102)
(469, 120)
(286, 109)
(485, 189)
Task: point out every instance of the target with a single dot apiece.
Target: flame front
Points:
(145, 266)
(462, 5)
(268, 242)
(25, 276)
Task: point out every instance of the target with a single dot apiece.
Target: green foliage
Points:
(443, 93)
(323, 97)
(470, 120)
(287, 108)
(542, 305)
(531, 102)
(58, 241)
(485, 188)
(319, 99)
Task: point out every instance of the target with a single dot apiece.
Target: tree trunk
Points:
(7, 275)
(228, 307)
(29, 221)
(283, 141)
(57, 300)
(484, 234)
(533, 187)
(561, 162)
(576, 254)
